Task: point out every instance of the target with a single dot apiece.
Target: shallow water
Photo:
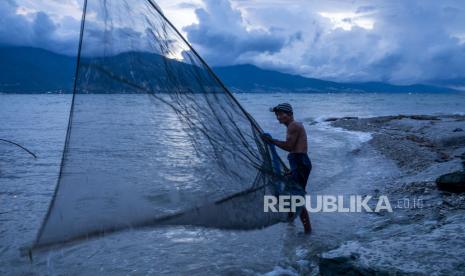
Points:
(26, 185)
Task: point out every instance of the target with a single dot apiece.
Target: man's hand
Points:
(266, 138)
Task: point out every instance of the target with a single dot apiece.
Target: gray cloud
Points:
(410, 41)
(186, 5)
(364, 9)
(223, 38)
(14, 29)
(43, 29)
(36, 29)
(105, 32)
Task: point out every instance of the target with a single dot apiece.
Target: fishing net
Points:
(154, 137)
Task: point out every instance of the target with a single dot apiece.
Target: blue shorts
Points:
(301, 167)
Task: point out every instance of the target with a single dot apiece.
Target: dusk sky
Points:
(399, 42)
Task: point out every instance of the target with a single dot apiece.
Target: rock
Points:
(363, 261)
(343, 266)
(457, 130)
(452, 141)
(423, 117)
(463, 161)
(349, 118)
(416, 139)
(452, 182)
(442, 157)
(331, 119)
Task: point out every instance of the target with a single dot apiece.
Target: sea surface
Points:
(39, 123)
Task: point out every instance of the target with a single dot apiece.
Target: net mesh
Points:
(154, 137)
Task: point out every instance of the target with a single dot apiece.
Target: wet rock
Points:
(416, 138)
(431, 249)
(349, 118)
(345, 265)
(423, 117)
(414, 142)
(357, 258)
(442, 157)
(453, 141)
(406, 153)
(333, 119)
(463, 160)
(452, 182)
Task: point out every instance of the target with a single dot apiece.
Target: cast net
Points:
(154, 137)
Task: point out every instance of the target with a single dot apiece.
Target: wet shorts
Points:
(300, 166)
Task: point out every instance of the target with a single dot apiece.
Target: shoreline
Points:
(414, 142)
(407, 240)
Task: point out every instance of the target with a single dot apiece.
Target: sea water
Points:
(39, 123)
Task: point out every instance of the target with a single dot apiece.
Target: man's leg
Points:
(305, 221)
(299, 174)
(304, 217)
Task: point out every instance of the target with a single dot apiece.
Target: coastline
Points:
(414, 142)
(411, 239)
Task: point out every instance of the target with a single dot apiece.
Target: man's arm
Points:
(291, 138)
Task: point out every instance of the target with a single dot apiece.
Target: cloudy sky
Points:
(403, 41)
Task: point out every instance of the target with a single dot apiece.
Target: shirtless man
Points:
(296, 145)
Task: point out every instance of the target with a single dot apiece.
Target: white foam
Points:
(436, 252)
(358, 136)
(321, 119)
(280, 271)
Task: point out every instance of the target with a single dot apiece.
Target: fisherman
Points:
(296, 145)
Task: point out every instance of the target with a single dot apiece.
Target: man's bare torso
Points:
(296, 130)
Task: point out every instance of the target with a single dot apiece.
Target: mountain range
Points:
(34, 70)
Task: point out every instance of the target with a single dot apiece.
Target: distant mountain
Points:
(253, 79)
(455, 83)
(33, 70)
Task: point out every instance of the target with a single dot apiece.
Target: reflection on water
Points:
(26, 185)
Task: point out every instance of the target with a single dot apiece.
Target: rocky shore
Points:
(415, 142)
(424, 233)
